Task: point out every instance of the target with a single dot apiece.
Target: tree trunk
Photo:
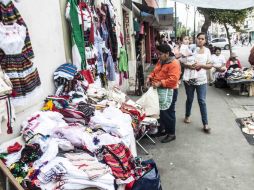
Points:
(229, 41)
(206, 24)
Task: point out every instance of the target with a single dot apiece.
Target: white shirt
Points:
(202, 59)
(218, 61)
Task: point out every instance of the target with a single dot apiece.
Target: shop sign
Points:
(127, 28)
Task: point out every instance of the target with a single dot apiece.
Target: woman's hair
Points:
(217, 48)
(184, 37)
(201, 33)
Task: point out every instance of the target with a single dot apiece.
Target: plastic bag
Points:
(5, 84)
(150, 102)
(150, 180)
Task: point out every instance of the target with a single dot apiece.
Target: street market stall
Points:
(83, 137)
(242, 79)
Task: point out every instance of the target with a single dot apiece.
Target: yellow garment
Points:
(48, 106)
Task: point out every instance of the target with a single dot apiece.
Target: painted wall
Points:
(66, 31)
(43, 19)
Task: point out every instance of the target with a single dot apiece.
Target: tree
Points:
(227, 18)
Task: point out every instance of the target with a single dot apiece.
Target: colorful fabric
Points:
(9, 15)
(66, 70)
(112, 32)
(237, 64)
(110, 67)
(7, 113)
(78, 43)
(73, 116)
(119, 158)
(23, 75)
(123, 61)
(165, 97)
(14, 148)
(87, 109)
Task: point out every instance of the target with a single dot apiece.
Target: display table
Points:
(242, 84)
(10, 179)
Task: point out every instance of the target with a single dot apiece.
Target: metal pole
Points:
(175, 23)
(194, 33)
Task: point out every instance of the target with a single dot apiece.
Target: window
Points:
(222, 40)
(215, 41)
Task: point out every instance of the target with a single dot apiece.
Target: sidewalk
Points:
(222, 160)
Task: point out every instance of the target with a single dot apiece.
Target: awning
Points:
(220, 4)
(151, 19)
(165, 18)
(144, 8)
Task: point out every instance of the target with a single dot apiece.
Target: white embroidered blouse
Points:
(12, 38)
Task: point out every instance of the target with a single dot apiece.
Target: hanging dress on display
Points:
(9, 15)
(111, 26)
(21, 71)
(78, 42)
(16, 53)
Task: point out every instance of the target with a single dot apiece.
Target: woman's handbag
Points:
(150, 180)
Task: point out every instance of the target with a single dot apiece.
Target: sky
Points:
(182, 14)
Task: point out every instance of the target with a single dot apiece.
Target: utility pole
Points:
(175, 23)
(186, 25)
(194, 33)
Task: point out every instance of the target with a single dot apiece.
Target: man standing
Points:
(250, 40)
(165, 78)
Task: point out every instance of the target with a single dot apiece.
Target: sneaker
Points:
(168, 138)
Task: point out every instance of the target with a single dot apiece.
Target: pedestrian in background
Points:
(202, 57)
(251, 57)
(165, 77)
(249, 43)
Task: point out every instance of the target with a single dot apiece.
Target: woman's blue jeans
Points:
(201, 94)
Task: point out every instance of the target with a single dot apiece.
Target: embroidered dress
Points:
(9, 15)
(23, 75)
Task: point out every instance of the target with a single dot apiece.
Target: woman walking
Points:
(202, 63)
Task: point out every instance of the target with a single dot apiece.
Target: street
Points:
(222, 160)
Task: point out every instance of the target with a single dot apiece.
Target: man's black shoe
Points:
(159, 134)
(168, 138)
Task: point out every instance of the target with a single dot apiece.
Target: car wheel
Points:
(226, 47)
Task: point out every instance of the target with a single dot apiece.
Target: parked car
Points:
(220, 42)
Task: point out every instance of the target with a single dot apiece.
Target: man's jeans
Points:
(201, 94)
(168, 117)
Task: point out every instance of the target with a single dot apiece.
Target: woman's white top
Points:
(202, 59)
